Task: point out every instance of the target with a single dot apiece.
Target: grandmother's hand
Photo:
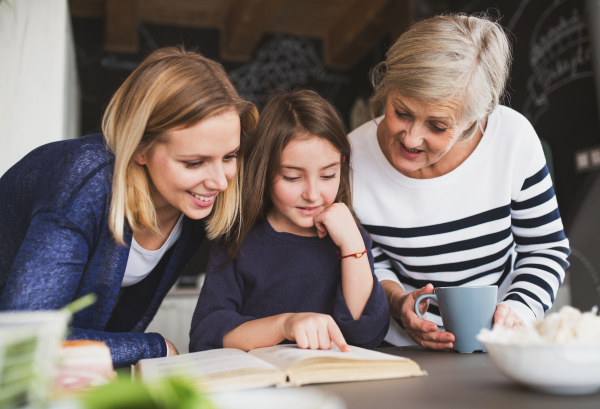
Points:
(423, 332)
(507, 317)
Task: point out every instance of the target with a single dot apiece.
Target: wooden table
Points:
(454, 381)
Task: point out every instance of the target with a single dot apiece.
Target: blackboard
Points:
(552, 81)
(279, 62)
(553, 85)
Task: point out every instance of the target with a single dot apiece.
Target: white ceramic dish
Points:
(572, 369)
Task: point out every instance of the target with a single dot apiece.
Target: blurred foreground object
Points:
(83, 364)
(28, 344)
(559, 355)
(170, 393)
(178, 393)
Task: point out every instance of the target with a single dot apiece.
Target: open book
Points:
(229, 369)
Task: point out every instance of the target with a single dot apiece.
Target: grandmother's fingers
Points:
(434, 336)
(433, 344)
(501, 314)
(413, 322)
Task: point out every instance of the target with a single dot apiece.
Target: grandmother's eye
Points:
(437, 129)
(401, 115)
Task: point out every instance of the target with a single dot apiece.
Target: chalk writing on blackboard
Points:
(284, 62)
(559, 53)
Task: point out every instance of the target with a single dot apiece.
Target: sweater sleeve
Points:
(126, 348)
(46, 274)
(541, 245)
(220, 301)
(371, 328)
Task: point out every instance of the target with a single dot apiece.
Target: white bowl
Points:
(572, 369)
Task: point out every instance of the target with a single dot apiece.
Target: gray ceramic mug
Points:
(465, 311)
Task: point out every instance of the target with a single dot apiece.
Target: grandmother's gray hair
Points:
(447, 57)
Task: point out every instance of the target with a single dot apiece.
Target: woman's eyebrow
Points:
(203, 157)
(403, 104)
(432, 117)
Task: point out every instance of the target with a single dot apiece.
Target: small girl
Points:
(301, 269)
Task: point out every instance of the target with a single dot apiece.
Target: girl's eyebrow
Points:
(298, 168)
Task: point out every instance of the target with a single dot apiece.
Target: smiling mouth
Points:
(410, 150)
(308, 210)
(204, 198)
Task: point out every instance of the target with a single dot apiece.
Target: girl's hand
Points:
(337, 220)
(314, 331)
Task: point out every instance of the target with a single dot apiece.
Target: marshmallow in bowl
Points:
(567, 326)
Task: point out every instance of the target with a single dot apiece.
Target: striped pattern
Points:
(491, 228)
(479, 249)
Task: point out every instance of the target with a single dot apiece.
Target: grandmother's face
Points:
(415, 136)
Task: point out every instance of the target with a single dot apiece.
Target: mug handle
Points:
(421, 298)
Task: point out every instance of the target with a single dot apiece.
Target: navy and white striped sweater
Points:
(492, 220)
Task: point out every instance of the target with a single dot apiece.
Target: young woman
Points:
(119, 214)
(297, 270)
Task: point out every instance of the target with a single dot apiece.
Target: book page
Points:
(284, 356)
(202, 364)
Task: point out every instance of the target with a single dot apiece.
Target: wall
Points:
(39, 91)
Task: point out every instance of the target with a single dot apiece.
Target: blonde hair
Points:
(171, 89)
(447, 57)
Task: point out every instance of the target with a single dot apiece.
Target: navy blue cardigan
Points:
(56, 246)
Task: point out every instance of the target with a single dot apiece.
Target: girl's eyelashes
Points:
(294, 178)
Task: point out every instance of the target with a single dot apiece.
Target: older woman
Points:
(120, 214)
(452, 186)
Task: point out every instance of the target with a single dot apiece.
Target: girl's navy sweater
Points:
(278, 273)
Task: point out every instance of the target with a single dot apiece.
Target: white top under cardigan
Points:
(141, 262)
(491, 221)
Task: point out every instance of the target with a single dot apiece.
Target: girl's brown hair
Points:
(299, 114)
(171, 89)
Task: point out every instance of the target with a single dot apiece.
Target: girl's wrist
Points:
(282, 323)
(352, 247)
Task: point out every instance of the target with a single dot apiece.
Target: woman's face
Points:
(415, 136)
(192, 165)
(308, 183)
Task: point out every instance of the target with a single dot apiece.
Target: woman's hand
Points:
(423, 332)
(507, 317)
(337, 220)
(172, 350)
(314, 331)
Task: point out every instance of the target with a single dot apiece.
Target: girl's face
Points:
(308, 182)
(194, 164)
